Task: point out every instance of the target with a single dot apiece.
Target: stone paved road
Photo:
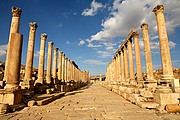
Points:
(91, 103)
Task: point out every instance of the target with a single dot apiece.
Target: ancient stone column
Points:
(30, 54)
(126, 64)
(164, 46)
(14, 63)
(131, 62)
(63, 67)
(40, 79)
(122, 65)
(60, 66)
(49, 63)
(147, 52)
(15, 24)
(55, 63)
(138, 58)
(118, 67)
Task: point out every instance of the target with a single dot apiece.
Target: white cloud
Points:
(105, 54)
(94, 62)
(36, 53)
(3, 50)
(59, 25)
(95, 6)
(124, 17)
(67, 42)
(91, 45)
(81, 42)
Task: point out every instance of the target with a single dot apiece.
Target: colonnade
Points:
(122, 78)
(63, 75)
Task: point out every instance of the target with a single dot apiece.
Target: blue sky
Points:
(90, 31)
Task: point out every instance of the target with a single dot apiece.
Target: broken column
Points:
(15, 24)
(40, 79)
(138, 59)
(49, 63)
(28, 82)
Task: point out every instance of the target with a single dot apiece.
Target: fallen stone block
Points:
(172, 108)
(4, 108)
(45, 101)
(149, 105)
(31, 103)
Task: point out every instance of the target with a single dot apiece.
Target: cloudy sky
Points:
(90, 31)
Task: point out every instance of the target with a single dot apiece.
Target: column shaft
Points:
(122, 65)
(55, 63)
(147, 52)
(126, 64)
(40, 79)
(60, 66)
(131, 60)
(49, 63)
(14, 64)
(30, 52)
(15, 24)
(164, 46)
(138, 57)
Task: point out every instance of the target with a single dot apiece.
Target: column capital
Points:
(158, 9)
(50, 43)
(33, 25)
(56, 49)
(144, 26)
(61, 52)
(135, 34)
(44, 35)
(16, 12)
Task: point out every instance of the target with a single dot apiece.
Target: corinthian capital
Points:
(33, 25)
(16, 12)
(158, 9)
(144, 26)
(44, 35)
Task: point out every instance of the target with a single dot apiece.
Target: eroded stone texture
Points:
(164, 46)
(60, 66)
(15, 24)
(49, 63)
(40, 79)
(55, 64)
(131, 62)
(147, 52)
(138, 57)
(30, 56)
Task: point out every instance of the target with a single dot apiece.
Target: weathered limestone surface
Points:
(55, 64)
(147, 52)
(138, 57)
(164, 45)
(49, 63)
(93, 102)
(14, 61)
(40, 79)
(30, 55)
(12, 94)
(15, 24)
(60, 66)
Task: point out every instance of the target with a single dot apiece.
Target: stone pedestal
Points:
(11, 97)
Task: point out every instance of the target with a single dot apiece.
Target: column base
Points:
(27, 84)
(11, 97)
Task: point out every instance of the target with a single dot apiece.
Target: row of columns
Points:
(123, 61)
(64, 69)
